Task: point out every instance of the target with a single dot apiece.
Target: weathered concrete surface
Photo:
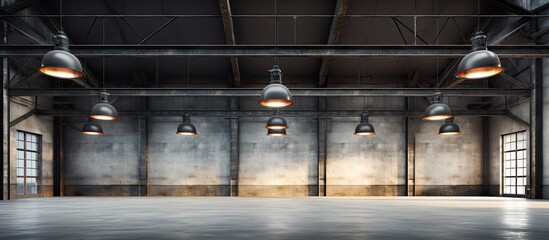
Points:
(366, 165)
(189, 165)
(275, 218)
(449, 165)
(40, 125)
(278, 166)
(102, 165)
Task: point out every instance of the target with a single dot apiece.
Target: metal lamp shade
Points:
(437, 111)
(449, 128)
(276, 95)
(92, 128)
(479, 64)
(186, 128)
(364, 127)
(60, 63)
(276, 122)
(103, 110)
(276, 132)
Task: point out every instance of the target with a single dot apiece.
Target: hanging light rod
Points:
(254, 92)
(309, 51)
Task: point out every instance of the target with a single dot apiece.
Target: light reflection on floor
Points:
(274, 218)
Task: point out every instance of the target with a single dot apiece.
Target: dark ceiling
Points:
(299, 30)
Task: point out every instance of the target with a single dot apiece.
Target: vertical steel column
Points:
(142, 136)
(235, 158)
(322, 139)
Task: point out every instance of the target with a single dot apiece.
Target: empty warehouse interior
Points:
(284, 119)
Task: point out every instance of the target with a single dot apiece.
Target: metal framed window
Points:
(28, 163)
(515, 165)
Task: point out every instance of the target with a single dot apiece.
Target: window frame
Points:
(38, 160)
(515, 152)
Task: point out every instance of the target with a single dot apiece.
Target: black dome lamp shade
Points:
(275, 95)
(103, 110)
(92, 127)
(276, 122)
(186, 128)
(364, 127)
(276, 132)
(449, 128)
(480, 63)
(59, 62)
(438, 110)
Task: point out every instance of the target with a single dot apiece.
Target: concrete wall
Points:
(278, 166)
(40, 125)
(449, 165)
(189, 165)
(366, 165)
(269, 166)
(101, 165)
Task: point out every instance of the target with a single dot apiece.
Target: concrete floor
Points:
(274, 218)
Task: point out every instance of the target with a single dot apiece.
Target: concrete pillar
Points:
(5, 124)
(411, 127)
(142, 140)
(58, 156)
(536, 133)
(486, 154)
(234, 161)
(322, 135)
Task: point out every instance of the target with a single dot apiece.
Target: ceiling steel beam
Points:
(253, 92)
(16, 6)
(333, 37)
(228, 27)
(315, 51)
(268, 113)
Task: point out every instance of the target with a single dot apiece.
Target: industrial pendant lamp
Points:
(275, 95)
(364, 127)
(103, 110)
(438, 110)
(59, 62)
(480, 63)
(276, 132)
(186, 128)
(92, 127)
(276, 121)
(449, 128)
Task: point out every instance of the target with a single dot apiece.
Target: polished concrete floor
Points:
(274, 218)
